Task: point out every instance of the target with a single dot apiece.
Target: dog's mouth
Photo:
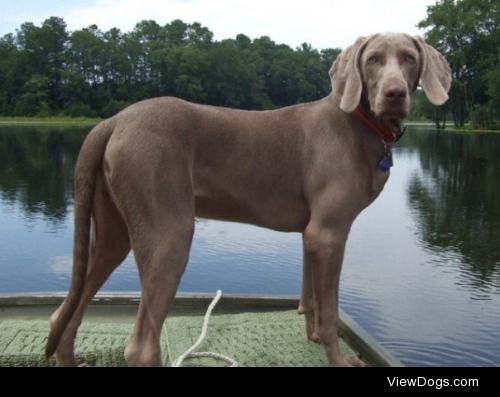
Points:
(393, 115)
(393, 111)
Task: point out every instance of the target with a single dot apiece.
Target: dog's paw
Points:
(313, 337)
(310, 324)
(347, 361)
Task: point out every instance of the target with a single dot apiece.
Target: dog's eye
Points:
(410, 59)
(372, 60)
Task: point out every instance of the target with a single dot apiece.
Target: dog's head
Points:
(384, 70)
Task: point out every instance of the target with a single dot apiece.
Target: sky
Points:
(321, 23)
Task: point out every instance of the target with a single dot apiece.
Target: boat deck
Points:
(255, 331)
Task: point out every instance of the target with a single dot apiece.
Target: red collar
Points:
(377, 127)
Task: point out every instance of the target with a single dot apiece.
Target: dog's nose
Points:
(395, 91)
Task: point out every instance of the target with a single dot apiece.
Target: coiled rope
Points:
(191, 352)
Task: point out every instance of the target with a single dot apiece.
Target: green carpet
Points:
(271, 339)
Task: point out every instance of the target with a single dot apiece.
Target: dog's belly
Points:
(281, 214)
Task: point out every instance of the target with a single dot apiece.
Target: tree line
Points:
(46, 70)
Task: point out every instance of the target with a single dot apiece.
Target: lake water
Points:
(422, 266)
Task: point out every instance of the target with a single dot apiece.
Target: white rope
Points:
(190, 353)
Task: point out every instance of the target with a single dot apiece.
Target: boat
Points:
(256, 331)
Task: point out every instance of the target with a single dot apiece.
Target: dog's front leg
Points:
(307, 306)
(323, 252)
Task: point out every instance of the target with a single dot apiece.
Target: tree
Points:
(35, 97)
(422, 108)
(43, 53)
(146, 49)
(199, 35)
(188, 70)
(176, 32)
(328, 56)
(85, 65)
(9, 78)
(467, 32)
(493, 90)
(232, 76)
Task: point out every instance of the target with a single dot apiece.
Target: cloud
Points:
(323, 23)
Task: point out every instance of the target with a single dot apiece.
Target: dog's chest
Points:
(378, 181)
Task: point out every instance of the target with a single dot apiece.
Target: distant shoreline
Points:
(65, 121)
(450, 127)
(49, 121)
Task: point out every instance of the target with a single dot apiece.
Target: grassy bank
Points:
(49, 121)
(450, 127)
(66, 121)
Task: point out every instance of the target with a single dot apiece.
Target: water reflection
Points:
(455, 196)
(36, 171)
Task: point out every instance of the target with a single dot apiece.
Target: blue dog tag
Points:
(386, 164)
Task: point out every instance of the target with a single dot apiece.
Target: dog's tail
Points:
(86, 169)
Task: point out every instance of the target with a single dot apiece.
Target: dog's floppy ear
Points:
(435, 77)
(346, 75)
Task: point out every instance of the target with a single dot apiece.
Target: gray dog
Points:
(143, 175)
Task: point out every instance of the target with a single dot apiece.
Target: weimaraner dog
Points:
(143, 175)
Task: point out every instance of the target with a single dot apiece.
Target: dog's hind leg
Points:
(150, 176)
(158, 205)
(109, 247)
(162, 255)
